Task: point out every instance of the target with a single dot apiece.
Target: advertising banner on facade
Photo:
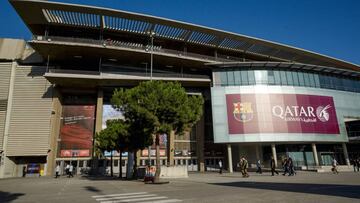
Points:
(281, 113)
(77, 129)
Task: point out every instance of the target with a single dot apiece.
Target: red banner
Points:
(77, 130)
(281, 113)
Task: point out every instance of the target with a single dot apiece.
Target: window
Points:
(237, 77)
(261, 77)
(295, 78)
(277, 77)
(271, 78)
(301, 79)
(317, 80)
(289, 78)
(251, 76)
(312, 80)
(244, 77)
(230, 77)
(283, 78)
(223, 78)
(307, 79)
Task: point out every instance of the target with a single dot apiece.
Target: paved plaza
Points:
(207, 187)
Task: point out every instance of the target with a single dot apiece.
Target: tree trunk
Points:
(120, 165)
(135, 165)
(157, 173)
(111, 164)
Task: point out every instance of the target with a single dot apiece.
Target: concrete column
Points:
(171, 148)
(99, 111)
(229, 158)
(346, 154)
(257, 151)
(55, 129)
(98, 128)
(200, 139)
(273, 150)
(315, 154)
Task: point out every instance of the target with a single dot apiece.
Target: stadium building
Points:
(262, 98)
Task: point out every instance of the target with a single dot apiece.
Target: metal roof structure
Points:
(39, 14)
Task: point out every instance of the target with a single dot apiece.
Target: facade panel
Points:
(31, 110)
(5, 72)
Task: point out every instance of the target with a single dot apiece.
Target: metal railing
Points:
(136, 46)
(128, 73)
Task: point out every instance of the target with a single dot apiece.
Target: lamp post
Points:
(151, 34)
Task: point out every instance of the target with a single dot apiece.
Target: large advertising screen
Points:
(77, 130)
(281, 113)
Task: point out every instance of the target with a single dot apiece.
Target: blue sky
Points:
(329, 27)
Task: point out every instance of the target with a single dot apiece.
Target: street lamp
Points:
(151, 34)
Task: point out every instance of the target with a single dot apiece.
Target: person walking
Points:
(258, 165)
(354, 163)
(334, 166)
(24, 172)
(244, 166)
(220, 166)
(57, 171)
(358, 164)
(71, 169)
(285, 165)
(67, 168)
(272, 165)
(291, 167)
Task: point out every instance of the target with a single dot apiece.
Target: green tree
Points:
(114, 137)
(167, 103)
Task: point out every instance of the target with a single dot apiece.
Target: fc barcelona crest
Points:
(243, 111)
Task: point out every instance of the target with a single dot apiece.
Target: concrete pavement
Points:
(207, 187)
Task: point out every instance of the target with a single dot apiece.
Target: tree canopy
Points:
(166, 102)
(156, 107)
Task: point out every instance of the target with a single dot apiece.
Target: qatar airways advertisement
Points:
(281, 113)
(77, 129)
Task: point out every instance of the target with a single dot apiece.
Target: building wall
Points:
(30, 115)
(5, 72)
(346, 105)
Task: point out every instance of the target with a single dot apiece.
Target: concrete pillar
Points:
(273, 150)
(55, 129)
(171, 148)
(98, 128)
(230, 165)
(315, 154)
(346, 154)
(257, 152)
(99, 110)
(200, 139)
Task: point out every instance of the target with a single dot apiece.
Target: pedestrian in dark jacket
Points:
(285, 165)
(291, 167)
(272, 165)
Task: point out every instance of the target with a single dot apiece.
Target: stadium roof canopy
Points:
(38, 15)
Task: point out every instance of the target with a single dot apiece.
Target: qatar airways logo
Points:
(305, 114)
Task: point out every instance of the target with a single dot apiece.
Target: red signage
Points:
(281, 113)
(77, 129)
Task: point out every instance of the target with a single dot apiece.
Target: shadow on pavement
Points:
(9, 197)
(109, 178)
(350, 191)
(92, 189)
